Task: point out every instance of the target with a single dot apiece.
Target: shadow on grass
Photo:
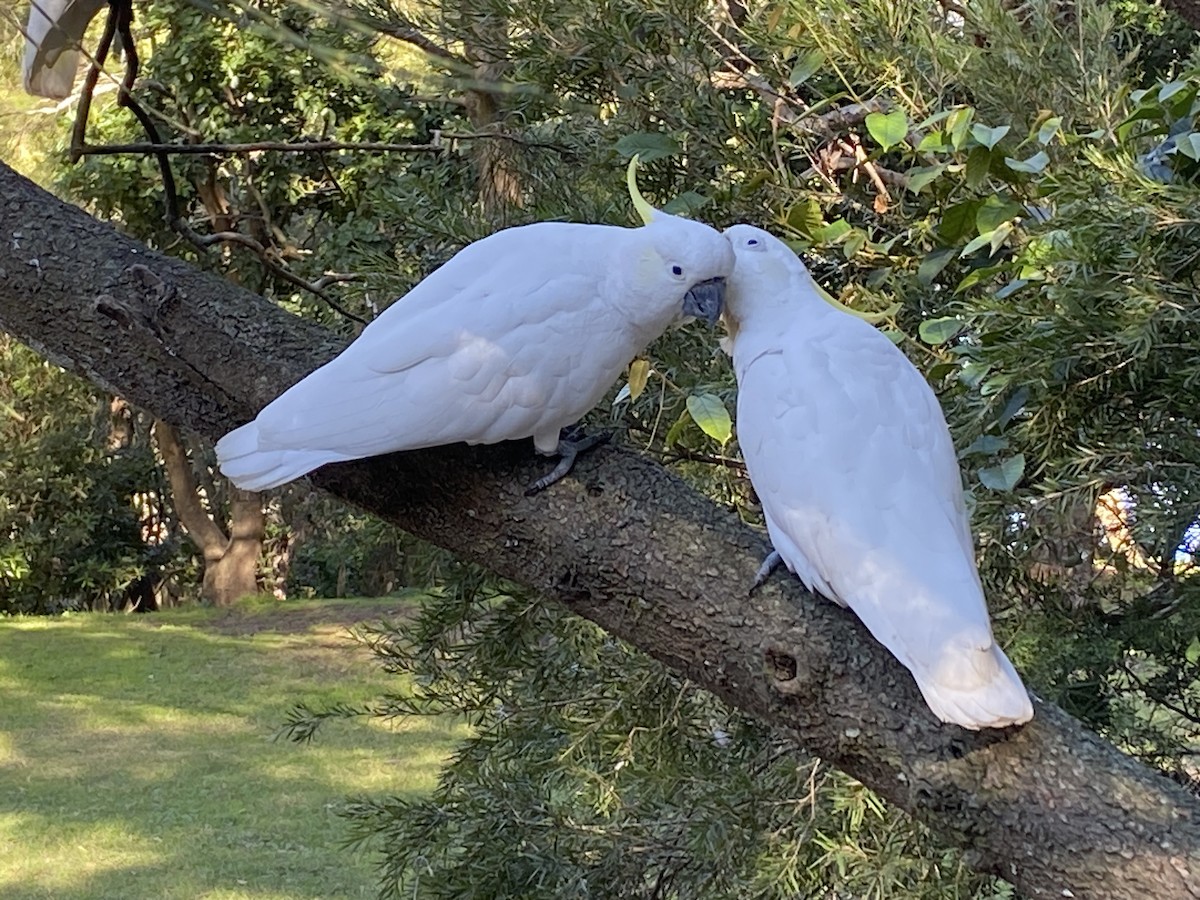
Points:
(138, 760)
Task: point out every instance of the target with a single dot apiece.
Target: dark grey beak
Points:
(705, 300)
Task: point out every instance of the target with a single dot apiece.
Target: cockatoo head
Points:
(676, 262)
(769, 273)
(766, 272)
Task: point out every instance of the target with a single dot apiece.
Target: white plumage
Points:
(518, 335)
(52, 39)
(850, 455)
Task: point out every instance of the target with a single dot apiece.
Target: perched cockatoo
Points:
(52, 40)
(518, 335)
(850, 455)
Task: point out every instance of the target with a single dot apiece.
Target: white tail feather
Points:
(252, 469)
(1001, 700)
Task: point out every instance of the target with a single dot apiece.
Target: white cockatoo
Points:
(849, 452)
(518, 335)
(52, 44)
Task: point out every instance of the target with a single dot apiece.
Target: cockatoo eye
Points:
(755, 244)
(677, 271)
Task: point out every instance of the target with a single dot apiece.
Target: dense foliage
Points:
(1020, 180)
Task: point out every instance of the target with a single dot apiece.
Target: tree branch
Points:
(1050, 807)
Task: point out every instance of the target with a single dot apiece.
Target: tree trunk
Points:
(1050, 807)
(230, 561)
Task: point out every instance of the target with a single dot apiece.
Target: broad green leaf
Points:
(977, 244)
(888, 129)
(984, 445)
(938, 331)
(1031, 166)
(958, 220)
(1192, 654)
(932, 265)
(835, 231)
(896, 337)
(958, 124)
(989, 137)
(710, 414)
(1170, 89)
(648, 145)
(853, 243)
(639, 374)
(806, 66)
(994, 212)
(1189, 145)
(807, 219)
(920, 177)
(934, 142)
(1003, 477)
(1015, 404)
(978, 164)
(1049, 129)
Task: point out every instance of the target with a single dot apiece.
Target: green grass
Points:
(137, 760)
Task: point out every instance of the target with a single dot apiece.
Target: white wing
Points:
(850, 455)
(498, 344)
(55, 30)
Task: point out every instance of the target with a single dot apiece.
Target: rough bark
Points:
(230, 560)
(1051, 807)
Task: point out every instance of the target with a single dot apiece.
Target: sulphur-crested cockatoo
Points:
(52, 40)
(849, 452)
(518, 335)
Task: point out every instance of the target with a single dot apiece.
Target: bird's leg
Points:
(769, 565)
(571, 443)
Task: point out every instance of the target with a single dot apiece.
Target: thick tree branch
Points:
(1050, 807)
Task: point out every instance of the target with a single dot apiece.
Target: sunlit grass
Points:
(137, 756)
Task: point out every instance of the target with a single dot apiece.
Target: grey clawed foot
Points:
(769, 565)
(572, 443)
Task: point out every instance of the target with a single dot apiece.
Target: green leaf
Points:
(888, 129)
(984, 445)
(958, 124)
(978, 164)
(855, 242)
(710, 414)
(648, 145)
(1003, 477)
(1031, 166)
(932, 265)
(989, 137)
(1049, 129)
(920, 177)
(806, 66)
(958, 220)
(1170, 89)
(835, 231)
(1015, 404)
(938, 331)
(934, 142)
(1192, 654)
(806, 218)
(1189, 145)
(994, 212)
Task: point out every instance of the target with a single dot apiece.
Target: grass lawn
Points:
(137, 760)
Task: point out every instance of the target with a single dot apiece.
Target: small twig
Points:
(89, 84)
